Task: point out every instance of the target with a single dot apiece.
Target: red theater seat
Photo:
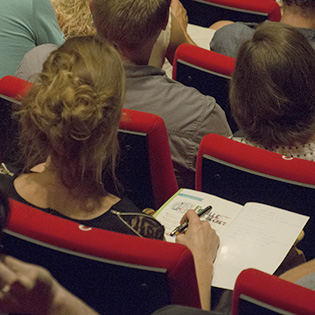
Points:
(256, 292)
(243, 173)
(207, 71)
(145, 168)
(13, 88)
(114, 273)
(206, 12)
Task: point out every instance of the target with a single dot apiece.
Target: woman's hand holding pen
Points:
(200, 238)
(203, 242)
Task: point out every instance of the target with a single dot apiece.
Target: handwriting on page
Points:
(261, 226)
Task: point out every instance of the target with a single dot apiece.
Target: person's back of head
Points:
(304, 9)
(72, 112)
(74, 17)
(130, 24)
(304, 4)
(272, 91)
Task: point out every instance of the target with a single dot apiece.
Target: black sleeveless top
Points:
(123, 217)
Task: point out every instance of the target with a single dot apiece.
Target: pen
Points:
(183, 226)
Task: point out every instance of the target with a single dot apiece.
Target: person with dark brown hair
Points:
(297, 13)
(272, 91)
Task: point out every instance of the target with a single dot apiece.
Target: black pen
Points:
(184, 226)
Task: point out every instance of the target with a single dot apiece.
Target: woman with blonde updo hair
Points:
(70, 119)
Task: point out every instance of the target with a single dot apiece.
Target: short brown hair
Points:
(272, 90)
(305, 4)
(128, 24)
(72, 113)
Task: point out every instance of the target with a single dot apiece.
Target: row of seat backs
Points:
(243, 173)
(122, 274)
(145, 169)
(208, 72)
(114, 273)
(60, 254)
(206, 12)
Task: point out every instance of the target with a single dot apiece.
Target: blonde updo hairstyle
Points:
(72, 113)
(74, 17)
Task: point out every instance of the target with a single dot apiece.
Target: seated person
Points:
(229, 35)
(23, 26)
(70, 119)
(31, 289)
(272, 93)
(69, 12)
(133, 26)
(26, 288)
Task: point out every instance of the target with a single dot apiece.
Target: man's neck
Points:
(141, 55)
(134, 58)
(297, 17)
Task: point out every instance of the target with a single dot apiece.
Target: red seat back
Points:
(39, 231)
(243, 173)
(207, 71)
(13, 88)
(206, 12)
(163, 180)
(256, 292)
